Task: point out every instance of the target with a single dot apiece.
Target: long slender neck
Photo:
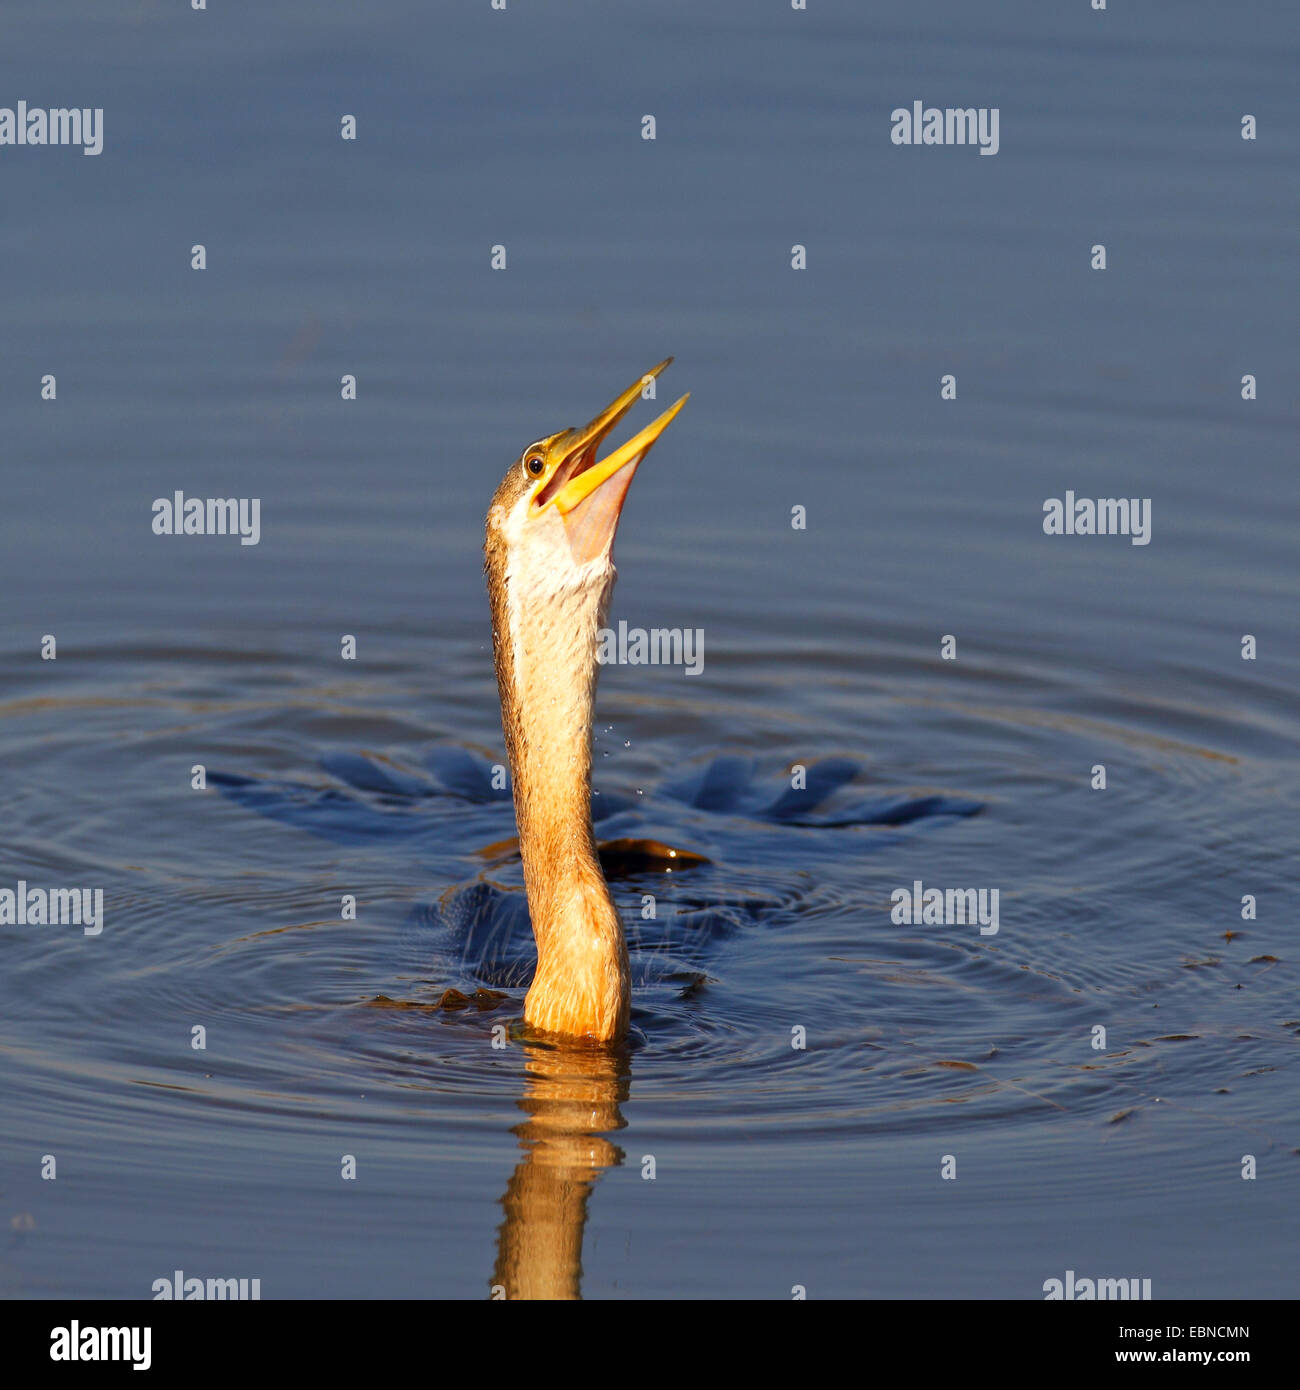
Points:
(546, 672)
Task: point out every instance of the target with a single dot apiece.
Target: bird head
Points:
(556, 511)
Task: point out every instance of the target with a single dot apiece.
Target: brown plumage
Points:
(548, 560)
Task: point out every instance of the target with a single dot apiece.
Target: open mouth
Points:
(589, 492)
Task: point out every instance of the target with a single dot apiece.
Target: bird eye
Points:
(535, 465)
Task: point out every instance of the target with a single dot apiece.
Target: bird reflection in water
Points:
(571, 1096)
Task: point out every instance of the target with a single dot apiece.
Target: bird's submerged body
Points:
(550, 533)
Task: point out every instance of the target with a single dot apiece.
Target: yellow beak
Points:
(589, 495)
